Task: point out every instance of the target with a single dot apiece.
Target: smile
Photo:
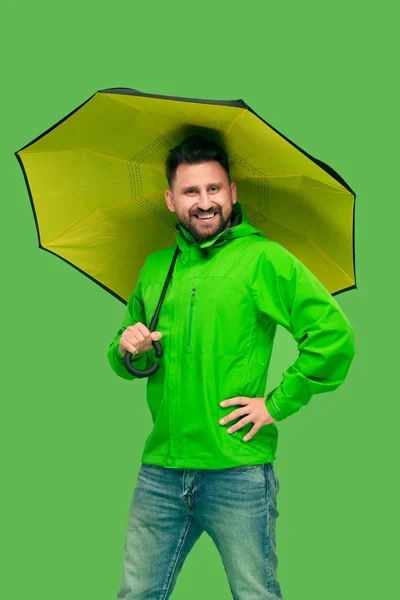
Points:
(207, 219)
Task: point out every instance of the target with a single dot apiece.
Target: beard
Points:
(200, 230)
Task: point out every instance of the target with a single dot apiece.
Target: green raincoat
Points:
(218, 320)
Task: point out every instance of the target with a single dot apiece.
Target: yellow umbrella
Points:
(96, 181)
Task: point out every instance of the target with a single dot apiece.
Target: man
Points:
(231, 287)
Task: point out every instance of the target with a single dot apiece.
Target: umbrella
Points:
(96, 182)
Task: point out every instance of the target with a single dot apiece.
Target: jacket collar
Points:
(239, 227)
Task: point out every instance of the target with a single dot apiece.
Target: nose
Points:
(204, 203)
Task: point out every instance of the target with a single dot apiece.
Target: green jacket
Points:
(218, 320)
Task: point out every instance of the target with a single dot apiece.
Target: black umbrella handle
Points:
(159, 352)
(147, 372)
(152, 327)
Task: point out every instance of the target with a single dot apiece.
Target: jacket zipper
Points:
(191, 318)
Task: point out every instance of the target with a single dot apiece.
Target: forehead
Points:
(200, 173)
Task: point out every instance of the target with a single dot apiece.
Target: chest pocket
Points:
(219, 316)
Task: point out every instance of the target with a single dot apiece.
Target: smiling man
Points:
(203, 198)
(231, 287)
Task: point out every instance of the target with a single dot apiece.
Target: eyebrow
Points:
(195, 187)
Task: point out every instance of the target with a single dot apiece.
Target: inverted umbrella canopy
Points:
(96, 181)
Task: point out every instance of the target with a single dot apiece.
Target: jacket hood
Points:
(239, 227)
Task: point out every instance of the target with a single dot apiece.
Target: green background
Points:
(72, 432)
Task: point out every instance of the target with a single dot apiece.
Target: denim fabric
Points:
(171, 508)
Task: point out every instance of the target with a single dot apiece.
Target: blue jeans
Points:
(171, 508)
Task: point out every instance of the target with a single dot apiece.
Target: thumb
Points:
(156, 335)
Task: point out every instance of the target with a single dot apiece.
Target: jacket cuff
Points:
(273, 408)
(118, 353)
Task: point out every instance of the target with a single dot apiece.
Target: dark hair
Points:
(195, 149)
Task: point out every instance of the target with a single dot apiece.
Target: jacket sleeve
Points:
(291, 295)
(134, 313)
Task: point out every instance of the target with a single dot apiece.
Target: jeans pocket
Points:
(246, 467)
(275, 477)
(271, 490)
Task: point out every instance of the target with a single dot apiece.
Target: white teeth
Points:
(206, 216)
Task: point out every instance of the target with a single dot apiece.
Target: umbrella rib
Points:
(82, 148)
(102, 208)
(145, 195)
(268, 176)
(233, 121)
(338, 187)
(165, 135)
(109, 258)
(172, 238)
(327, 258)
(124, 160)
(334, 264)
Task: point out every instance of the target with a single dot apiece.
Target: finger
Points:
(239, 424)
(131, 348)
(143, 329)
(234, 414)
(146, 335)
(236, 400)
(252, 432)
(141, 332)
(138, 339)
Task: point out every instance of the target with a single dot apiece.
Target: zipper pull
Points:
(190, 318)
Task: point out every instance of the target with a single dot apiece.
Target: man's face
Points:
(202, 189)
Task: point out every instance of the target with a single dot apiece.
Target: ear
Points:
(169, 199)
(233, 192)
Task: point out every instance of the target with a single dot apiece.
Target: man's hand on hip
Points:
(255, 410)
